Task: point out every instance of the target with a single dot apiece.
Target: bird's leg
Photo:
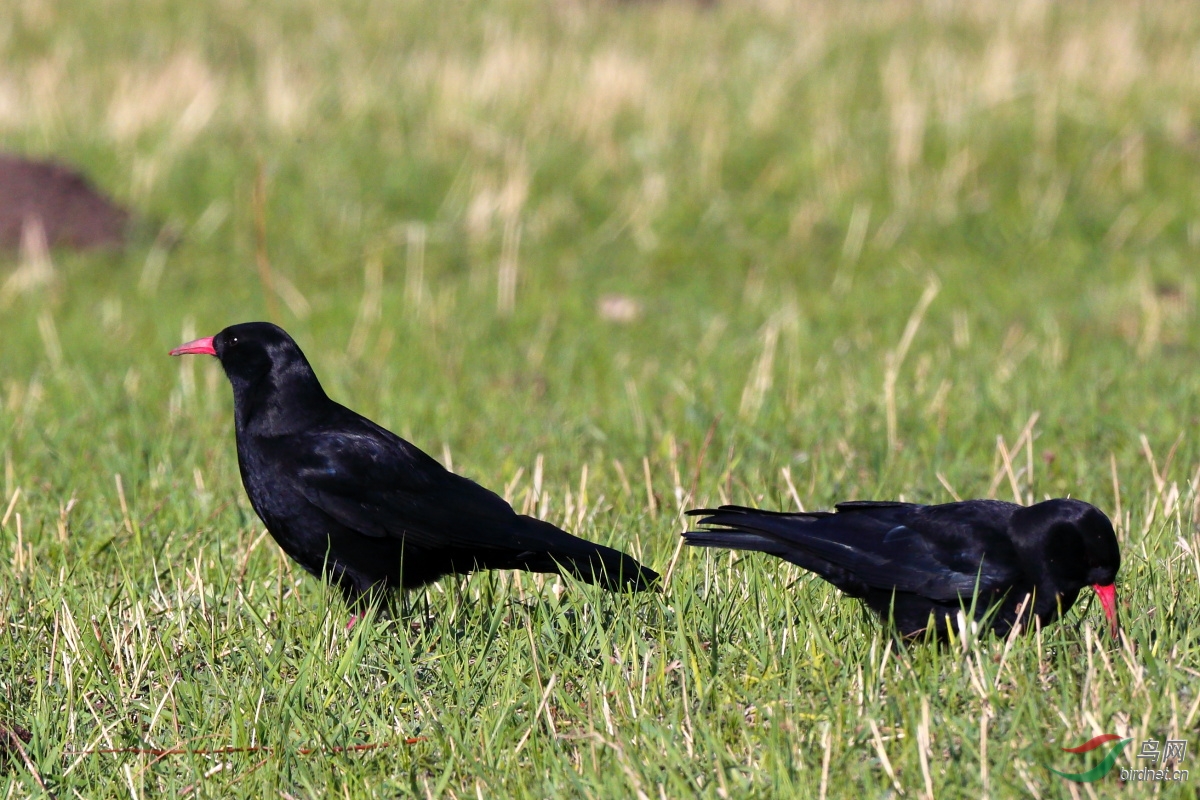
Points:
(363, 606)
(406, 605)
(424, 609)
(358, 602)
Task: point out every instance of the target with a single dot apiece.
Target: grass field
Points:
(614, 260)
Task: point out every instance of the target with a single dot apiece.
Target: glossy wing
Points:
(375, 483)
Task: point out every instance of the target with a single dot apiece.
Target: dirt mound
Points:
(69, 210)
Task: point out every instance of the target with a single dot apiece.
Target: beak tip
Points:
(1108, 600)
(198, 347)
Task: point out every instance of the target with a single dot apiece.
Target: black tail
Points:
(740, 528)
(732, 540)
(589, 562)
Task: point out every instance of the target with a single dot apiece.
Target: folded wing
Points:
(375, 483)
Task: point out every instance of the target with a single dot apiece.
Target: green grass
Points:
(770, 189)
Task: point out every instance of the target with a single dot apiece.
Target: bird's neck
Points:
(276, 405)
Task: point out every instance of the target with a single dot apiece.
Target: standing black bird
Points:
(909, 561)
(352, 501)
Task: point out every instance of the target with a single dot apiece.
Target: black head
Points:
(272, 380)
(1067, 545)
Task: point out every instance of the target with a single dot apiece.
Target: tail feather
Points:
(731, 539)
(609, 568)
(587, 561)
(734, 515)
(771, 532)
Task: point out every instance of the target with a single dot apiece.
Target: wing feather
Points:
(373, 482)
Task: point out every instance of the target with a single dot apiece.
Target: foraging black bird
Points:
(909, 561)
(347, 499)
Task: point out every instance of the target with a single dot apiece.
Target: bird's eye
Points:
(233, 340)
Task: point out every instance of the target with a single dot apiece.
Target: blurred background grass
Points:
(614, 260)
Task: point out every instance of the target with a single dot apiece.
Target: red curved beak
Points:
(199, 347)
(1108, 599)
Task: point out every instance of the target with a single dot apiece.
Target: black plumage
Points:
(350, 500)
(911, 562)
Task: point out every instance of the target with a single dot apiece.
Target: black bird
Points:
(909, 562)
(352, 501)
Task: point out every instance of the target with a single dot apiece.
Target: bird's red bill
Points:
(1108, 599)
(199, 347)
